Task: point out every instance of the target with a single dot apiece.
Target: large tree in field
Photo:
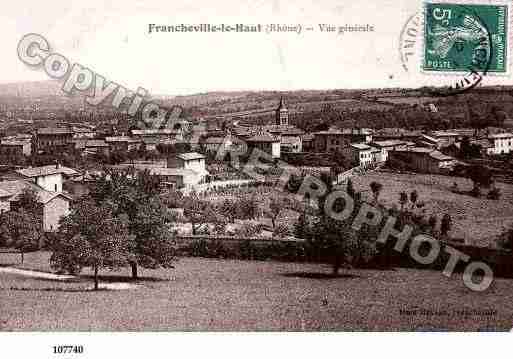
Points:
(337, 238)
(129, 193)
(91, 237)
(20, 230)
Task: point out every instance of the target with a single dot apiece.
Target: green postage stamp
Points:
(463, 37)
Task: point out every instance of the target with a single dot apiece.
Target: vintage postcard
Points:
(256, 166)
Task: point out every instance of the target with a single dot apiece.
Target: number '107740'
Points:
(68, 349)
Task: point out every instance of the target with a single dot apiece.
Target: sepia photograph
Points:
(255, 166)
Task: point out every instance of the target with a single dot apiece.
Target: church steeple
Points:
(282, 113)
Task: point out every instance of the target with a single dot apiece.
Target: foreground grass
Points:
(477, 220)
(207, 294)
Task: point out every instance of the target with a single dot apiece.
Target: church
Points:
(289, 136)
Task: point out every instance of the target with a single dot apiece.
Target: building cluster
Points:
(56, 185)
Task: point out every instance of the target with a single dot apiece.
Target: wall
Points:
(49, 182)
(53, 211)
(5, 205)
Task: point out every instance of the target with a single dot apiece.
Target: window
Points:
(55, 187)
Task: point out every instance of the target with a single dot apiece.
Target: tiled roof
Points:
(96, 143)
(46, 171)
(164, 131)
(262, 137)
(54, 131)
(501, 135)
(289, 130)
(345, 131)
(15, 188)
(190, 156)
(118, 139)
(214, 140)
(361, 146)
(14, 143)
(163, 171)
(388, 143)
(437, 155)
(288, 140)
(427, 151)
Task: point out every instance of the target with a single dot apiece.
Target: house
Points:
(150, 143)
(81, 184)
(290, 136)
(362, 154)
(49, 178)
(83, 132)
(183, 171)
(96, 147)
(266, 143)
(485, 145)
(502, 143)
(421, 159)
(191, 161)
(53, 205)
(428, 142)
(393, 133)
(214, 143)
(163, 134)
(15, 148)
(177, 178)
(52, 140)
(336, 140)
(389, 145)
(307, 141)
(446, 138)
(123, 143)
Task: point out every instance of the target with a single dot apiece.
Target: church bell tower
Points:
(282, 114)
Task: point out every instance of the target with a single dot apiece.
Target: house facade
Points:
(422, 160)
(266, 143)
(52, 139)
(15, 148)
(336, 140)
(501, 143)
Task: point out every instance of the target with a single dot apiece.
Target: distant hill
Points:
(33, 89)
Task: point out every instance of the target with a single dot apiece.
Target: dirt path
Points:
(61, 277)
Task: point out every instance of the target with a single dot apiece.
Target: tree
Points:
(376, 188)
(481, 176)
(337, 238)
(350, 189)
(154, 242)
(446, 224)
(276, 204)
(91, 237)
(468, 150)
(21, 230)
(200, 213)
(403, 199)
(229, 209)
(432, 221)
(414, 196)
(302, 227)
(28, 200)
(506, 239)
(127, 193)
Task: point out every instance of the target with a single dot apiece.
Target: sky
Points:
(112, 39)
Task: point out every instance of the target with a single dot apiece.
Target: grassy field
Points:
(477, 220)
(228, 295)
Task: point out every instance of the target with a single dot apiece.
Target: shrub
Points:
(494, 193)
